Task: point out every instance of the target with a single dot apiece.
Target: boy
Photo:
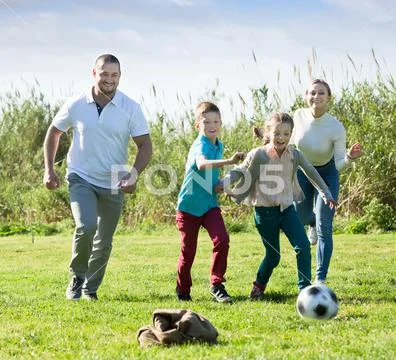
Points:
(198, 205)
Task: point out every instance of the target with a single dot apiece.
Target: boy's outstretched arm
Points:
(203, 163)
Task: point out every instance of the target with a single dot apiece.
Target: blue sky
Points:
(183, 47)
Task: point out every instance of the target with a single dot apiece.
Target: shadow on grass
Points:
(199, 344)
(280, 297)
(143, 299)
(351, 316)
(273, 297)
(359, 300)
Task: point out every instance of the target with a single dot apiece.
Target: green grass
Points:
(37, 321)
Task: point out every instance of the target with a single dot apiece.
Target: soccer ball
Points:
(317, 302)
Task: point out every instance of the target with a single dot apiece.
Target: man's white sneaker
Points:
(320, 282)
(312, 235)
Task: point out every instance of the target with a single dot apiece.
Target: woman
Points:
(322, 139)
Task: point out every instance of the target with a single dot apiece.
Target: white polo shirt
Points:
(100, 142)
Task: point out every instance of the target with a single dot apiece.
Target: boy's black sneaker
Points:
(90, 297)
(182, 297)
(220, 294)
(73, 291)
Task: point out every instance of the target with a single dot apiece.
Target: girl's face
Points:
(318, 98)
(280, 135)
(210, 125)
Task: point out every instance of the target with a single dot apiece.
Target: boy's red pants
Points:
(189, 226)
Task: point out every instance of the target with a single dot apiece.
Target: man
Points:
(103, 119)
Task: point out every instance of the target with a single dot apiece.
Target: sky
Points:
(173, 53)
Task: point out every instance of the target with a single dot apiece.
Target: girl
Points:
(270, 185)
(322, 139)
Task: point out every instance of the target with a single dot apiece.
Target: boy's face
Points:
(280, 135)
(209, 125)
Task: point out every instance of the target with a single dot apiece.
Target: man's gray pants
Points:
(96, 212)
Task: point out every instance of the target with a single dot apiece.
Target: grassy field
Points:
(37, 321)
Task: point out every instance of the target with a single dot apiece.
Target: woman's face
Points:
(318, 97)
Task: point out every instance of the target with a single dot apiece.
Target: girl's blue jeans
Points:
(313, 211)
(269, 221)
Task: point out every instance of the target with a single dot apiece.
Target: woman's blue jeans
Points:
(269, 221)
(313, 211)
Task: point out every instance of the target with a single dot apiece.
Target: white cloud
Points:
(187, 3)
(174, 50)
(376, 11)
(184, 49)
(182, 2)
(127, 37)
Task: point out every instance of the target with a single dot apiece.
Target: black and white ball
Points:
(317, 302)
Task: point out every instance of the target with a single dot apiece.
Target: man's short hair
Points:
(107, 59)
